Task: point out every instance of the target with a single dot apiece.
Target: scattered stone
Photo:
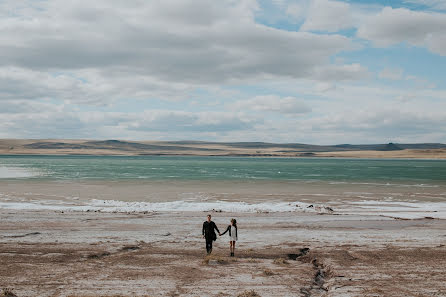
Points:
(96, 256)
(268, 272)
(6, 292)
(214, 260)
(319, 278)
(305, 292)
(22, 235)
(302, 252)
(280, 261)
(251, 293)
(130, 248)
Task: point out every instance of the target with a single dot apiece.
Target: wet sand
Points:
(47, 253)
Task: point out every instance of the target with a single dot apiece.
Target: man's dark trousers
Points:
(209, 244)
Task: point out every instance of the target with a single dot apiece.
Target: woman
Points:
(232, 229)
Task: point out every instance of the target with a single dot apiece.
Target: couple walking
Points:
(210, 236)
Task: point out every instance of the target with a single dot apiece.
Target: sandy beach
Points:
(56, 253)
(109, 226)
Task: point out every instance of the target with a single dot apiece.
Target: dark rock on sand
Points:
(23, 235)
(98, 256)
(8, 293)
(130, 248)
(302, 252)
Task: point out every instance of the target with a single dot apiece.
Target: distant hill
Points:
(125, 147)
(319, 148)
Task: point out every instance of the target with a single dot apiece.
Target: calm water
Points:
(413, 188)
(221, 168)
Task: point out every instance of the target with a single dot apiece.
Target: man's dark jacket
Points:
(208, 230)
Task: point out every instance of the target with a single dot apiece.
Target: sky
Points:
(317, 72)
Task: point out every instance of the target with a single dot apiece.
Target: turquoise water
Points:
(220, 168)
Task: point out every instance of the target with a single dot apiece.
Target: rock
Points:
(302, 252)
(130, 248)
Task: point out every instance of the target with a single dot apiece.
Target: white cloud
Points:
(297, 10)
(43, 123)
(340, 72)
(328, 15)
(393, 26)
(188, 41)
(84, 86)
(71, 68)
(96, 53)
(273, 103)
(392, 74)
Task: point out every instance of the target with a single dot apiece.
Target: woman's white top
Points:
(233, 236)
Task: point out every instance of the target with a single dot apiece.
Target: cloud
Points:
(340, 72)
(85, 86)
(189, 41)
(24, 106)
(297, 10)
(180, 121)
(392, 26)
(274, 104)
(200, 69)
(43, 123)
(329, 16)
(392, 74)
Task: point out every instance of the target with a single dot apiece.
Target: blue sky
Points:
(320, 72)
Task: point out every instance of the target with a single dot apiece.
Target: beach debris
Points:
(319, 278)
(7, 292)
(268, 272)
(280, 261)
(214, 260)
(305, 292)
(166, 234)
(22, 235)
(130, 248)
(321, 209)
(322, 274)
(261, 211)
(98, 256)
(302, 252)
(250, 293)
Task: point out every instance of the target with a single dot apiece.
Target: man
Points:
(209, 234)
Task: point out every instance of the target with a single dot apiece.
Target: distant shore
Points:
(196, 148)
